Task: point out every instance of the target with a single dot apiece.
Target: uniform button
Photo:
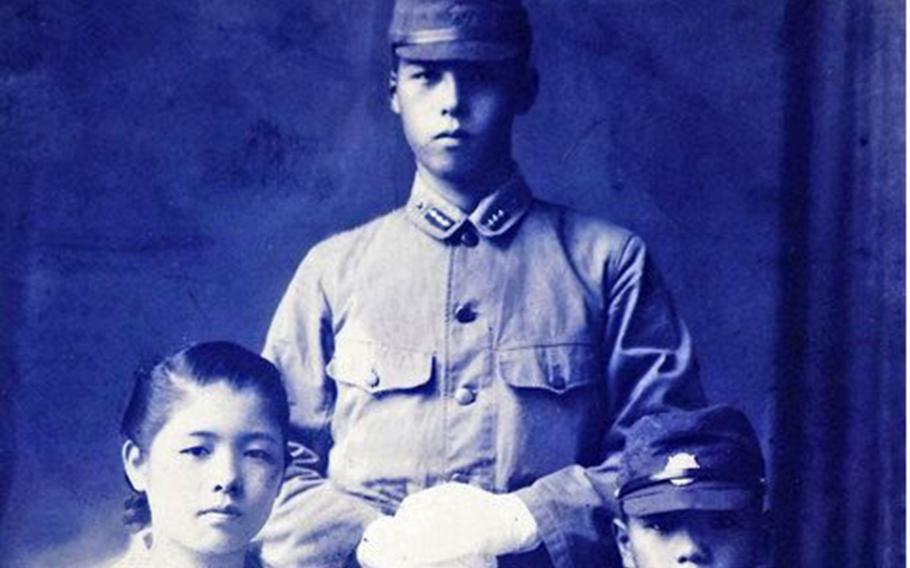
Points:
(373, 380)
(558, 382)
(465, 396)
(465, 314)
(468, 237)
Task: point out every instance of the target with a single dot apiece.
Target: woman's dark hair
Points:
(156, 391)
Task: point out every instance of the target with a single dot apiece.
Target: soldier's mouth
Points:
(456, 134)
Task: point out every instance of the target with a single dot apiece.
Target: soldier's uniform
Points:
(507, 347)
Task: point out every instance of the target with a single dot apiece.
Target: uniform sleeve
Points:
(313, 522)
(649, 368)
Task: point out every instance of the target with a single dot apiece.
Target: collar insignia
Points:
(493, 216)
(438, 219)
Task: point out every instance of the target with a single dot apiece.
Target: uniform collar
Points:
(494, 215)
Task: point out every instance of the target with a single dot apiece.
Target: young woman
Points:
(204, 451)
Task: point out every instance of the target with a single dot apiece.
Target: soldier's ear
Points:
(527, 87)
(393, 92)
(134, 465)
(623, 543)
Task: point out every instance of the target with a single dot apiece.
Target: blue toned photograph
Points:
(452, 284)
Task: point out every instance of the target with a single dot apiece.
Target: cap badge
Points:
(681, 462)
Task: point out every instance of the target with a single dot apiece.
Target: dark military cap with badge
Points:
(475, 30)
(706, 459)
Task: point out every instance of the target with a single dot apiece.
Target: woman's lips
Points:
(226, 512)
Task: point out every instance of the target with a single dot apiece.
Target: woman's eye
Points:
(195, 451)
(263, 455)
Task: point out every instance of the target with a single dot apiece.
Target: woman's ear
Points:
(393, 92)
(528, 86)
(621, 532)
(134, 464)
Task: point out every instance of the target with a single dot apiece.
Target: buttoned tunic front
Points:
(508, 348)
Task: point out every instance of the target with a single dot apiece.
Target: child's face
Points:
(722, 539)
(212, 471)
(457, 115)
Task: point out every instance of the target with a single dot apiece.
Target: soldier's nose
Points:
(450, 92)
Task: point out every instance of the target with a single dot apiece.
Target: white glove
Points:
(454, 521)
(380, 548)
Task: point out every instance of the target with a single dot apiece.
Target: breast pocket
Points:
(378, 369)
(382, 420)
(551, 414)
(554, 368)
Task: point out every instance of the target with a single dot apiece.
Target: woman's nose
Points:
(226, 475)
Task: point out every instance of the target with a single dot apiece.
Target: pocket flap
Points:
(556, 368)
(378, 368)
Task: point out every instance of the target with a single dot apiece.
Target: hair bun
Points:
(136, 514)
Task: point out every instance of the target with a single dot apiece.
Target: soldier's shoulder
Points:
(347, 241)
(585, 227)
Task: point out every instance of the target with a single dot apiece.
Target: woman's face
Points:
(212, 471)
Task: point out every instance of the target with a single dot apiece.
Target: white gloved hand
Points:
(454, 521)
(380, 547)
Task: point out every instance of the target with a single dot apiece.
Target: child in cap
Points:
(462, 370)
(691, 491)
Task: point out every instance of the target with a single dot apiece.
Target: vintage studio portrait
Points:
(452, 284)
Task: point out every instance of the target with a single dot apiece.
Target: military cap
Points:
(433, 30)
(706, 459)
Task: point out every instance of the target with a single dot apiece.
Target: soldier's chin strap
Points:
(686, 476)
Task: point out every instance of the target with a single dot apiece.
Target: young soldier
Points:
(476, 336)
(691, 492)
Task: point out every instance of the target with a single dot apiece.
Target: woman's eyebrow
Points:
(263, 436)
(203, 434)
(244, 437)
